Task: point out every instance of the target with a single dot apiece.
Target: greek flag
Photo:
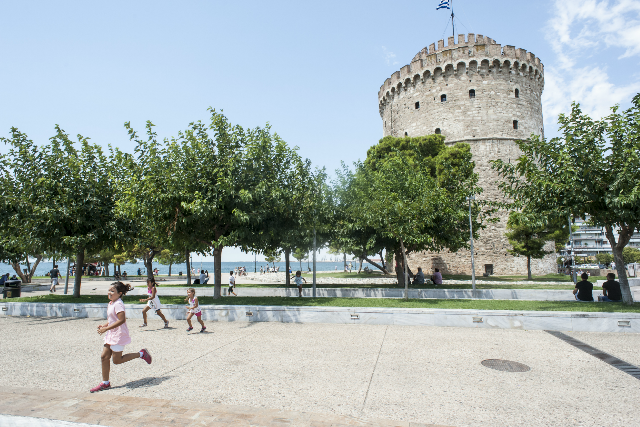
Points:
(444, 4)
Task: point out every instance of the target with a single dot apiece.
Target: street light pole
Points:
(573, 254)
(314, 261)
(473, 265)
(66, 280)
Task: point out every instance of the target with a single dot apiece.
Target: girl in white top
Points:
(153, 303)
(232, 283)
(193, 309)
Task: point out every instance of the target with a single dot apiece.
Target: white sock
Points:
(105, 382)
(140, 354)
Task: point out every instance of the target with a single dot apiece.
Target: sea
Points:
(132, 268)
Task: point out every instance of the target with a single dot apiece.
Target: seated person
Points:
(437, 277)
(4, 278)
(584, 289)
(419, 277)
(14, 277)
(611, 289)
(124, 274)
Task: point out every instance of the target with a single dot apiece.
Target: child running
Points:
(153, 303)
(117, 335)
(193, 309)
(232, 283)
(299, 279)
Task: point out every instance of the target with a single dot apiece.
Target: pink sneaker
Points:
(100, 387)
(146, 356)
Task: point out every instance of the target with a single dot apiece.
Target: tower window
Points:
(438, 131)
(515, 124)
(405, 134)
(385, 123)
(472, 93)
(417, 105)
(517, 93)
(443, 98)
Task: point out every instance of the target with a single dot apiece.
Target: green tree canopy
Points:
(591, 171)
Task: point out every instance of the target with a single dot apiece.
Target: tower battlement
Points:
(475, 54)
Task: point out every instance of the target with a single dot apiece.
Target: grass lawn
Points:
(361, 302)
(479, 285)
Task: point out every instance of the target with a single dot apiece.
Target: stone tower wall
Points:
(410, 104)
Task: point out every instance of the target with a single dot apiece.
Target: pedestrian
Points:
(611, 289)
(193, 309)
(116, 335)
(437, 277)
(153, 303)
(55, 273)
(584, 289)
(299, 279)
(232, 283)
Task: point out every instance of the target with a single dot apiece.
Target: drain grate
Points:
(505, 365)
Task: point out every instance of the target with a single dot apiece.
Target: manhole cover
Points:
(505, 365)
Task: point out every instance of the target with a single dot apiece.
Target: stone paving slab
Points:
(82, 409)
(271, 371)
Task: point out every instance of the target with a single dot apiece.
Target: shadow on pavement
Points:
(143, 382)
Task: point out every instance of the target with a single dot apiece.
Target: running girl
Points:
(193, 309)
(299, 279)
(117, 335)
(232, 283)
(153, 303)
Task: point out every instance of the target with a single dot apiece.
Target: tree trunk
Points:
(26, 278)
(77, 282)
(345, 261)
(287, 280)
(384, 267)
(169, 269)
(406, 273)
(379, 267)
(529, 267)
(188, 268)
(616, 248)
(217, 274)
(148, 264)
(119, 269)
(106, 265)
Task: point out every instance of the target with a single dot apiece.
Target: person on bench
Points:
(584, 289)
(611, 289)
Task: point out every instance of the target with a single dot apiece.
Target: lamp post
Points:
(573, 258)
(314, 261)
(473, 266)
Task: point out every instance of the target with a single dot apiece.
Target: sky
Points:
(312, 70)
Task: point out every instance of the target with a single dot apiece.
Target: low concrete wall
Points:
(497, 294)
(497, 319)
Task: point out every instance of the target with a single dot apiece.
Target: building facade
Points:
(476, 91)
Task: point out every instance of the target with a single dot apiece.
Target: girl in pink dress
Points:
(116, 335)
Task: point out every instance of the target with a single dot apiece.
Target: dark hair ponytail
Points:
(153, 282)
(122, 288)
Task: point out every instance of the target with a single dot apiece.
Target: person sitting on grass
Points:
(584, 289)
(611, 289)
(437, 277)
(419, 277)
(299, 279)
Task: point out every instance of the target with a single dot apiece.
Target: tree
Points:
(404, 202)
(169, 258)
(104, 256)
(630, 255)
(300, 254)
(605, 259)
(64, 195)
(528, 235)
(410, 195)
(592, 171)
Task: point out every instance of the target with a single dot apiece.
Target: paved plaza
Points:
(316, 374)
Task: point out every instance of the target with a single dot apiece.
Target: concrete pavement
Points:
(407, 374)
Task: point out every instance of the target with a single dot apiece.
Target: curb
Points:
(461, 318)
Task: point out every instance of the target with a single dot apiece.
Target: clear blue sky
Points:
(311, 69)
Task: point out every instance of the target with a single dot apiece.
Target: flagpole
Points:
(453, 25)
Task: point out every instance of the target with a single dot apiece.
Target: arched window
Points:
(472, 93)
(515, 124)
(417, 105)
(517, 93)
(438, 131)
(405, 134)
(443, 98)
